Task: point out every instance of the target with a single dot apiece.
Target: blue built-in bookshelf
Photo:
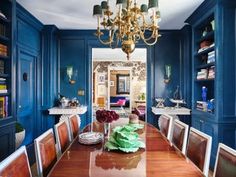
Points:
(213, 66)
(7, 118)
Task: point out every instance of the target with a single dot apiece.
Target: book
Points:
(1, 67)
(2, 107)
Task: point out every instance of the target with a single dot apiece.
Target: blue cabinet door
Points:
(26, 94)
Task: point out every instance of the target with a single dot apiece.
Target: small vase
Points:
(106, 130)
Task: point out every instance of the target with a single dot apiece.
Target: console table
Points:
(171, 111)
(66, 112)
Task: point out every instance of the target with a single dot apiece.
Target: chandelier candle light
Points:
(130, 24)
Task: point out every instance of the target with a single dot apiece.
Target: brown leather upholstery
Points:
(164, 124)
(178, 135)
(17, 168)
(196, 149)
(63, 136)
(48, 153)
(226, 165)
(74, 126)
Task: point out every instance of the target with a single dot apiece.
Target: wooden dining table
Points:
(158, 159)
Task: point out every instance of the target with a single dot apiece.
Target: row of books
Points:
(2, 30)
(201, 106)
(4, 107)
(2, 69)
(206, 73)
(211, 57)
(3, 85)
(3, 50)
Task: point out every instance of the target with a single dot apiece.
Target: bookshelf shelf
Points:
(205, 65)
(4, 39)
(204, 80)
(4, 75)
(4, 57)
(206, 51)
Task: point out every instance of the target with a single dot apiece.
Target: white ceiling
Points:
(108, 54)
(77, 14)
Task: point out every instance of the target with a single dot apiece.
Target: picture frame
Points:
(101, 78)
(112, 83)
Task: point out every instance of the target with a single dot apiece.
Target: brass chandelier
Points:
(130, 24)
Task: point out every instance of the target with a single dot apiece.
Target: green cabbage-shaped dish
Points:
(124, 139)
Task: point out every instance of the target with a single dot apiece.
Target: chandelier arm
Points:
(146, 42)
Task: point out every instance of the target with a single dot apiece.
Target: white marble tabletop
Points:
(67, 111)
(171, 111)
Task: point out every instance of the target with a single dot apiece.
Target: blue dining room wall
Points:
(76, 49)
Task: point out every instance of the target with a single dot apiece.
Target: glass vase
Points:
(106, 130)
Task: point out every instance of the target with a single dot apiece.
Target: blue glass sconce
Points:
(71, 74)
(167, 74)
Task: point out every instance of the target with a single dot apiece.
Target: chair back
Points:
(199, 149)
(16, 165)
(74, 124)
(165, 125)
(225, 165)
(180, 135)
(45, 152)
(63, 137)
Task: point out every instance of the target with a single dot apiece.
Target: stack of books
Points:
(2, 30)
(211, 72)
(211, 57)
(201, 106)
(3, 50)
(202, 74)
(4, 107)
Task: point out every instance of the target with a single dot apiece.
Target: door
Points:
(26, 94)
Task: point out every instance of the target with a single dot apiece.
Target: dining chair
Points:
(225, 165)
(74, 124)
(63, 137)
(199, 149)
(180, 135)
(165, 124)
(45, 152)
(16, 165)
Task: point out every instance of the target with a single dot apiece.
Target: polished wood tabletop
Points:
(158, 159)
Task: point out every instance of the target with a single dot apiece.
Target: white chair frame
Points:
(186, 128)
(170, 129)
(227, 149)
(70, 126)
(57, 134)
(208, 149)
(13, 156)
(37, 151)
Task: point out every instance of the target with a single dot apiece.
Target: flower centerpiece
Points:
(106, 117)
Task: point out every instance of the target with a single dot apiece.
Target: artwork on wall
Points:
(102, 90)
(101, 78)
(123, 84)
(112, 83)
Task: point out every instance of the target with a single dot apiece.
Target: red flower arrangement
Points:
(106, 116)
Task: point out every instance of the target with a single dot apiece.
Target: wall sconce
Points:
(167, 74)
(71, 74)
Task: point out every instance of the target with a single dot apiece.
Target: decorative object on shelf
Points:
(177, 102)
(129, 25)
(133, 119)
(106, 117)
(160, 102)
(177, 94)
(19, 134)
(204, 93)
(167, 74)
(64, 102)
(2, 15)
(71, 74)
(124, 138)
(73, 103)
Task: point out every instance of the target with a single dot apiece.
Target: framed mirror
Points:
(123, 84)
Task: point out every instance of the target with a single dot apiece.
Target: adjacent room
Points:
(118, 88)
